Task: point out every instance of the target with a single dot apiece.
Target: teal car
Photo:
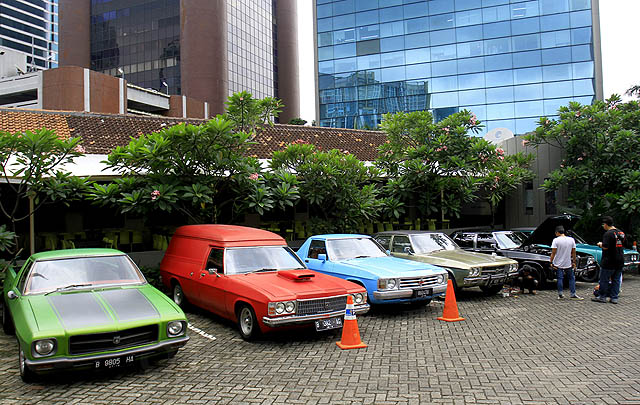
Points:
(87, 309)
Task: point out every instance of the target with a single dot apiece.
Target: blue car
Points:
(360, 259)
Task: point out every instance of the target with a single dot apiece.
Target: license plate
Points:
(329, 323)
(427, 292)
(114, 362)
(494, 281)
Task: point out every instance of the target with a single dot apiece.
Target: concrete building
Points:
(203, 49)
(508, 61)
(31, 28)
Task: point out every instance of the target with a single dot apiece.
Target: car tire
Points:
(491, 290)
(592, 276)
(7, 320)
(177, 294)
(26, 373)
(248, 323)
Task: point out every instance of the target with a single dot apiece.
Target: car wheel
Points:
(179, 297)
(491, 290)
(7, 321)
(592, 276)
(248, 323)
(26, 374)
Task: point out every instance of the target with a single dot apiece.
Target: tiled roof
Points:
(101, 133)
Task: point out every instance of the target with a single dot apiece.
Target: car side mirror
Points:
(388, 252)
(494, 245)
(408, 250)
(322, 257)
(11, 295)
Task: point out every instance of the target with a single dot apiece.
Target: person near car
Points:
(612, 246)
(563, 260)
(526, 280)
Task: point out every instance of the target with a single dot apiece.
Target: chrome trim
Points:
(293, 319)
(406, 293)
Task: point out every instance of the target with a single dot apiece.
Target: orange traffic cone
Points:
(450, 312)
(350, 333)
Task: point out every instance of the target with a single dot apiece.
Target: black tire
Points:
(248, 323)
(26, 373)
(178, 296)
(7, 321)
(491, 290)
(592, 276)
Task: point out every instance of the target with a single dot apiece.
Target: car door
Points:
(466, 240)
(485, 243)
(213, 282)
(318, 247)
(399, 245)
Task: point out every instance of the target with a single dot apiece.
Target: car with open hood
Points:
(568, 221)
(87, 309)
(361, 260)
(531, 251)
(466, 269)
(251, 276)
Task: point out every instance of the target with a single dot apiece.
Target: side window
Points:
(486, 241)
(23, 278)
(317, 247)
(464, 240)
(399, 243)
(215, 260)
(383, 240)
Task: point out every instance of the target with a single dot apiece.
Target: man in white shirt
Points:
(563, 259)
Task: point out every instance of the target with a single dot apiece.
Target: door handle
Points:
(202, 274)
(306, 260)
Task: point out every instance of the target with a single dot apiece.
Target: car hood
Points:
(459, 258)
(284, 285)
(389, 267)
(546, 231)
(100, 310)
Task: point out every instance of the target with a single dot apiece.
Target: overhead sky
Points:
(618, 30)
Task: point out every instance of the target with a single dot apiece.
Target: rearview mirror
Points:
(11, 295)
(408, 250)
(322, 257)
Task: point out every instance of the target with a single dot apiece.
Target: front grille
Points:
(418, 282)
(487, 271)
(102, 342)
(322, 305)
(581, 262)
(631, 258)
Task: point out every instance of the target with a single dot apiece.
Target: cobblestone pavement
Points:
(510, 350)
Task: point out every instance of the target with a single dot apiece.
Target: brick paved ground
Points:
(526, 349)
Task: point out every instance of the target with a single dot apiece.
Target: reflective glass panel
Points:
(471, 65)
(416, 40)
(469, 33)
(443, 37)
(499, 111)
(558, 89)
(392, 44)
(472, 97)
(449, 67)
(391, 14)
(528, 92)
(499, 78)
(417, 71)
(418, 55)
(500, 94)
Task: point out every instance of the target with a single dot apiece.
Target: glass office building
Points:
(510, 62)
(31, 27)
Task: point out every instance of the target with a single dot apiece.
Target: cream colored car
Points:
(466, 269)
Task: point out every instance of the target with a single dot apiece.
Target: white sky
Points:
(620, 56)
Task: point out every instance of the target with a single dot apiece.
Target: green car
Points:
(87, 309)
(466, 269)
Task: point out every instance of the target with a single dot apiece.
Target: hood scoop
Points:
(297, 275)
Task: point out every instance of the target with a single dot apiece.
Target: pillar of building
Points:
(288, 73)
(74, 26)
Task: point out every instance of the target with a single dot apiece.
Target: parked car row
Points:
(93, 308)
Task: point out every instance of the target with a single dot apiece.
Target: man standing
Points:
(563, 259)
(612, 261)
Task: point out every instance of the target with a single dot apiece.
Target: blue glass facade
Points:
(509, 62)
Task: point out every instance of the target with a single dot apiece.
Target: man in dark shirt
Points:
(612, 261)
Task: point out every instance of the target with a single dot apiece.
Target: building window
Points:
(528, 198)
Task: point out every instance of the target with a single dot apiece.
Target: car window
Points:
(25, 274)
(485, 241)
(464, 240)
(48, 275)
(399, 243)
(260, 258)
(383, 240)
(432, 242)
(509, 240)
(317, 247)
(215, 260)
(352, 248)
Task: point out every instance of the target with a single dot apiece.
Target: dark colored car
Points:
(526, 250)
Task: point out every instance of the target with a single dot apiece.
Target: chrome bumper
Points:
(484, 280)
(158, 349)
(294, 319)
(405, 293)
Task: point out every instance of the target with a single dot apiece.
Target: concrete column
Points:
(288, 71)
(74, 33)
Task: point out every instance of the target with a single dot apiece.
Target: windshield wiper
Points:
(361, 256)
(66, 287)
(262, 270)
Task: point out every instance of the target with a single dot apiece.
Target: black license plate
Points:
(329, 323)
(497, 280)
(427, 292)
(115, 362)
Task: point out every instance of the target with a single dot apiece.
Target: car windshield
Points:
(60, 274)
(260, 258)
(431, 242)
(352, 248)
(509, 239)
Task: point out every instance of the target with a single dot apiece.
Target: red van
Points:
(251, 276)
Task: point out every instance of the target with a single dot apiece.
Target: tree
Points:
(601, 144)
(248, 115)
(338, 187)
(297, 121)
(31, 165)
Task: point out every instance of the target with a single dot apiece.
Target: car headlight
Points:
(44, 347)
(475, 271)
(175, 328)
(282, 307)
(591, 260)
(387, 283)
(357, 298)
(513, 267)
(441, 279)
(279, 307)
(289, 306)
